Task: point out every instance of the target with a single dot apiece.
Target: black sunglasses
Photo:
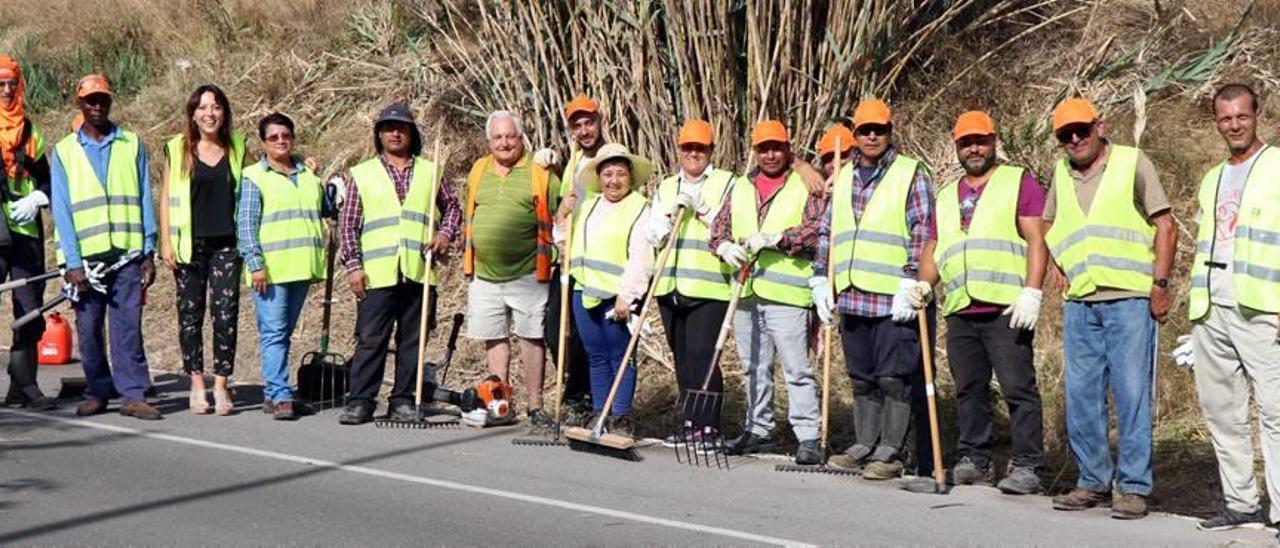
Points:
(1072, 133)
(873, 129)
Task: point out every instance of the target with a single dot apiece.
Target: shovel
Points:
(322, 378)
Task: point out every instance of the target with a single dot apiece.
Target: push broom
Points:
(561, 353)
(420, 419)
(596, 440)
(826, 370)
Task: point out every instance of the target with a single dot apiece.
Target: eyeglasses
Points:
(1070, 134)
(277, 137)
(873, 129)
(9, 84)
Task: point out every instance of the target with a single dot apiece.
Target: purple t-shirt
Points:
(1030, 204)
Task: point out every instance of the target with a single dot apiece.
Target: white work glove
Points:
(902, 310)
(340, 190)
(27, 207)
(1184, 355)
(546, 157)
(823, 301)
(94, 271)
(761, 240)
(657, 229)
(689, 200)
(732, 254)
(1026, 310)
(70, 292)
(921, 293)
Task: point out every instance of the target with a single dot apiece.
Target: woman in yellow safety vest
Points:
(610, 261)
(281, 239)
(203, 175)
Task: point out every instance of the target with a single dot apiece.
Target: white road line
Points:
(409, 478)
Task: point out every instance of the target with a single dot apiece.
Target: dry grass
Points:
(333, 64)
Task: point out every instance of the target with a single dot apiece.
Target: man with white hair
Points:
(507, 226)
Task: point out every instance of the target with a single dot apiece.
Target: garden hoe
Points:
(596, 440)
(420, 419)
(701, 407)
(561, 355)
(938, 483)
(826, 375)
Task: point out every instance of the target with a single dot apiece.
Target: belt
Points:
(1215, 264)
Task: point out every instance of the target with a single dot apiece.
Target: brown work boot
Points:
(140, 410)
(880, 470)
(91, 406)
(1130, 506)
(285, 412)
(1081, 499)
(268, 406)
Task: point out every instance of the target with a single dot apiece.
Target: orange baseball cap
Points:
(872, 111)
(769, 130)
(827, 144)
(1073, 111)
(93, 84)
(697, 132)
(974, 122)
(581, 103)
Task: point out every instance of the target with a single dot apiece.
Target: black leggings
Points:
(22, 259)
(215, 268)
(692, 326)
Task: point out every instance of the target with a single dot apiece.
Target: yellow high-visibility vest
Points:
(394, 234)
(109, 218)
(871, 253)
(290, 232)
(989, 262)
(692, 268)
(180, 191)
(776, 276)
(597, 259)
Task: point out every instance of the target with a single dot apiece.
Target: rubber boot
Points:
(895, 418)
(22, 372)
(867, 406)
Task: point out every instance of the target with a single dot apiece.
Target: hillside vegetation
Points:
(332, 64)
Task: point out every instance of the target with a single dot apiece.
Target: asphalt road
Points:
(247, 480)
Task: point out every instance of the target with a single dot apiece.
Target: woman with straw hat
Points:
(610, 262)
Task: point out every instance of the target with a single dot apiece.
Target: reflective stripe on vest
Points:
(692, 268)
(105, 218)
(988, 263)
(776, 276)
(1255, 261)
(23, 184)
(180, 190)
(394, 234)
(870, 253)
(597, 259)
(540, 184)
(290, 232)
(1112, 245)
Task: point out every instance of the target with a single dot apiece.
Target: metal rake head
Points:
(700, 446)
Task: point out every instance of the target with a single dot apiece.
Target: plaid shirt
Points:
(920, 223)
(351, 221)
(796, 241)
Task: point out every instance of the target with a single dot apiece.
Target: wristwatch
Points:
(1162, 283)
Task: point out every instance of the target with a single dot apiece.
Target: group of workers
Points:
(858, 243)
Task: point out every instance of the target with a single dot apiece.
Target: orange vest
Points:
(541, 207)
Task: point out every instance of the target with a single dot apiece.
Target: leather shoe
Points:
(284, 412)
(356, 413)
(90, 407)
(140, 410)
(403, 412)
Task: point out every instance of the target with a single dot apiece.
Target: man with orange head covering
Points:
(1113, 239)
(991, 257)
(770, 227)
(878, 233)
(24, 188)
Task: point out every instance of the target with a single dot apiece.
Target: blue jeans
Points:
(606, 341)
(278, 312)
(1109, 344)
(121, 307)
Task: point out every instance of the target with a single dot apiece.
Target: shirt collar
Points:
(109, 137)
(297, 166)
(890, 154)
(684, 177)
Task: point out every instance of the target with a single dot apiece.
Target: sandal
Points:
(222, 402)
(198, 404)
